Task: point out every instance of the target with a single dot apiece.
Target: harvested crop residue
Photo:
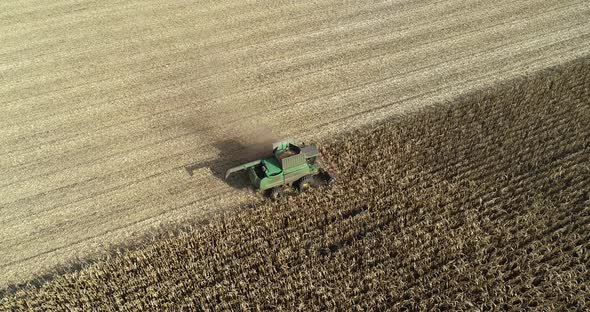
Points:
(479, 204)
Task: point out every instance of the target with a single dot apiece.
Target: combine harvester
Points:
(290, 167)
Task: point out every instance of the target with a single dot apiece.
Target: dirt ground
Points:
(117, 118)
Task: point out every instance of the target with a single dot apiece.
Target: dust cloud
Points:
(245, 139)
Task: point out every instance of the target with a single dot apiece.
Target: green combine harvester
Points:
(290, 167)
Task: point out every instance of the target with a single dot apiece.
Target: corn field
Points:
(482, 203)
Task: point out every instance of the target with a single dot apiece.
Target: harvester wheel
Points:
(325, 177)
(275, 193)
(305, 183)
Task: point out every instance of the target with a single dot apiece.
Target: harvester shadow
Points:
(231, 153)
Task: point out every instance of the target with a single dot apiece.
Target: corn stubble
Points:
(480, 204)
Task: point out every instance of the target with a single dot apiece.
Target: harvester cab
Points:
(290, 165)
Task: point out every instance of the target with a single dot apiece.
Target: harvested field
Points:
(117, 117)
(482, 203)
